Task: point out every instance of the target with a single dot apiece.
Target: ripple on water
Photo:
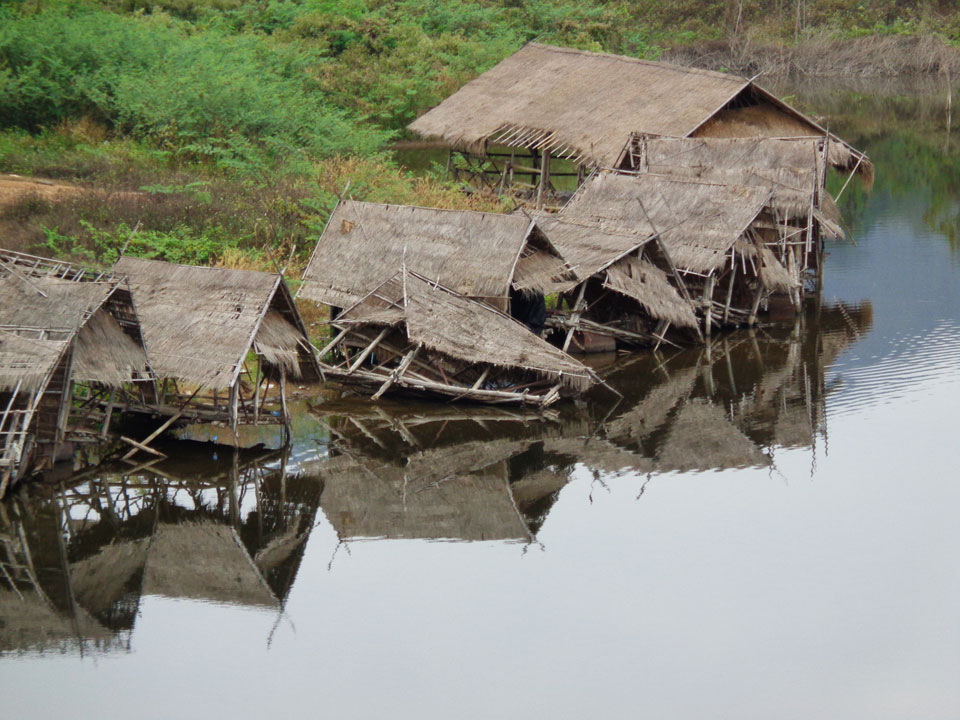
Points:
(913, 363)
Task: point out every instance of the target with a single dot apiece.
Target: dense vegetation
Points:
(223, 130)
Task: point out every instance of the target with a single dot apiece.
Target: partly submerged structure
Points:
(218, 338)
(546, 102)
(71, 351)
(495, 259)
(413, 335)
(705, 262)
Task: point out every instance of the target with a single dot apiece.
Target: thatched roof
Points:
(585, 105)
(33, 623)
(36, 266)
(698, 222)
(200, 322)
(204, 561)
(100, 580)
(793, 169)
(473, 253)
(27, 361)
(458, 327)
(49, 313)
(649, 286)
(590, 246)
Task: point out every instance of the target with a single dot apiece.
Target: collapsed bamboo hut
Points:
(218, 340)
(71, 351)
(801, 214)
(501, 260)
(546, 103)
(413, 335)
(656, 254)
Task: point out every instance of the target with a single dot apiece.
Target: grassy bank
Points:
(224, 130)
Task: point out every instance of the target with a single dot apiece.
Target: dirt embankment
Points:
(17, 188)
(825, 56)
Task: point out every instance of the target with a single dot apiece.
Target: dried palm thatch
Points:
(590, 246)
(584, 105)
(698, 222)
(649, 286)
(27, 362)
(36, 266)
(200, 322)
(465, 344)
(473, 253)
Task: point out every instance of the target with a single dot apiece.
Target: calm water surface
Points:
(763, 530)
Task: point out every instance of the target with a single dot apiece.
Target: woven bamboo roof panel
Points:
(472, 253)
(577, 103)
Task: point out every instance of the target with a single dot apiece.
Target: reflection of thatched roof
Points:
(49, 312)
(199, 322)
(598, 454)
(100, 580)
(653, 411)
(473, 506)
(583, 104)
(698, 222)
(702, 437)
(204, 561)
(473, 253)
(33, 623)
(460, 328)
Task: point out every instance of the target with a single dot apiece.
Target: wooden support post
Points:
(283, 407)
(733, 275)
(708, 305)
(234, 397)
(106, 420)
(544, 186)
(752, 320)
(575, 315)
(256, 392)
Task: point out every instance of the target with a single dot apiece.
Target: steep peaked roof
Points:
(583, 104)
(200, 322)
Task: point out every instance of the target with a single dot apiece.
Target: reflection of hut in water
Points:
(232, 533)
(501, 260)
(412, 335)
(70, 351)
(215, 337)
(750, 393)
(548, 103)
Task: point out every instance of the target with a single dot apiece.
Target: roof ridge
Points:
(425, 207)
(641, 61)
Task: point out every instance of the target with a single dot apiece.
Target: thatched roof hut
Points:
(584, 105)
(200, 322)
(55, 333)
(795, 170)
(478, 255)
(465, 344)
(698, 222)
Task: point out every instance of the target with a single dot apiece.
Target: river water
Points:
(765, 529)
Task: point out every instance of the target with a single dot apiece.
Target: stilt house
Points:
(548, 103)
(70, 351)
(704, 247)
(218, 339)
